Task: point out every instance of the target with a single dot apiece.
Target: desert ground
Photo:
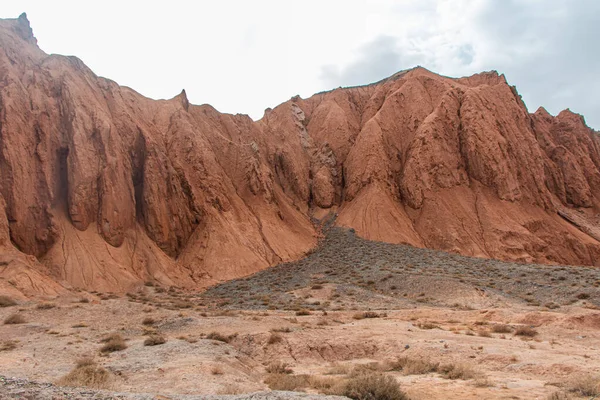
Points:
(442, 326)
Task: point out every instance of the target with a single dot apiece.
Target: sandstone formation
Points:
(102, 188)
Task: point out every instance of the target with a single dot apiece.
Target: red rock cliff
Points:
(102, 188)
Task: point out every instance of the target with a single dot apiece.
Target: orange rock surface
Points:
(103, 189)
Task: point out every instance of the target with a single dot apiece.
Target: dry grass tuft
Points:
(558, 396)
(501, 328)
(154, 340)
(373, 386)
(8, 345)
(427, 325)
(419, 366)
(458, 371)
(283, 330)
(14, 319)
(86, 373)
(217, 370)
(45, 306)
(286, 382)
(113, 342)
(366, 314)
(413, 366)
(585, 385)
(279, 368)
(220, 337)
(275, 338)
(6, 301)
(525, 331)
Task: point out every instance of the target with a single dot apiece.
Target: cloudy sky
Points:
(244, 56)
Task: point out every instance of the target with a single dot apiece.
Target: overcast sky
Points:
(244, 56)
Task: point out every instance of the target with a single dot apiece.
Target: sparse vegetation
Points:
(525, 331)
(275, 338)
(286, 382)
(217, 370)
(6, 301)
(220, 337)
(419, 366)
(373, 386)
(366, 314)
(279, 368)
(45, 306)
(8, 345)
(88, 374)
(413, 366)
(458, 371)
(501, 328)
(113, 342)
(283, 330)
(14, 319)
(585, 385)
(154, 340)
(558, 396)
(427, 325)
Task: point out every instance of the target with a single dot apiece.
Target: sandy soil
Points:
(329, 345)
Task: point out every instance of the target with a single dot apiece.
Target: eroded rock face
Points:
(104, 188)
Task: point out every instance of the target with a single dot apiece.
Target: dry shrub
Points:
(428, 325)
(369, 367)
(275, 338)
(283, 330)
(525, 331)
(326, 385)
(458, 371)
(113, 342)
(413, 366)
(501, 328)
(217, 370)
(373, 386)
(366, 314)
(45, 306)
(230, 388)
(154, 340)
(339, 369)
(87, 373)
(182, 304)
(8, 345)
(286, 382)
(148, 321)
(558, 396)
(303, 312)
(6, 301)
(279, 368)
(483, 382)
(585, 385)
(419, 366)
(14, 319)
(220, 337)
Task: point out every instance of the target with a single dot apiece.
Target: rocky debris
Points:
(14, 388)
(104, 189)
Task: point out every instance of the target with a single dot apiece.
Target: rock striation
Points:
(102, 188)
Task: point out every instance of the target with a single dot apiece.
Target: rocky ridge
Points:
(104, 189)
